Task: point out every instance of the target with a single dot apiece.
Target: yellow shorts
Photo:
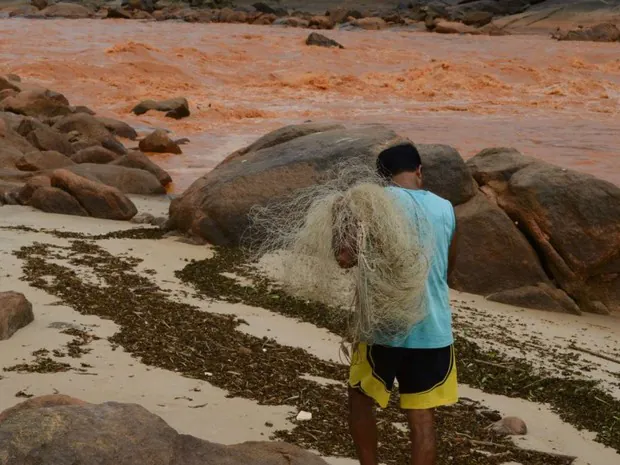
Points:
(426, 377)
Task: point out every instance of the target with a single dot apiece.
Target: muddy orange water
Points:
(555, 101)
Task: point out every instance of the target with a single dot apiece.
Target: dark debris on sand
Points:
(168, 334)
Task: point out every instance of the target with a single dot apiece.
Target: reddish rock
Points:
(292, 21)
(370, 24)
(27, 191)
(265, 20)
(6, 84)
(605, 32)
(95, 154)
(540, 297)
(321, 22)
(140, 161)
(90, 128)
(176, 108)
(52, 400)
(37, 103)
(118, 128)
(159, 142)
(493, 255)
(53, 200)
(127, 180)
(449, 27)
(66, 10)
(15, 313)
(99, 200)
(510, 426)
(46, 139)
(571, 218)
(38, 161)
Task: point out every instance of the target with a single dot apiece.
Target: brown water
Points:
(555, 101)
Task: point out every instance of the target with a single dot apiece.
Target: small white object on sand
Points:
(304, 416)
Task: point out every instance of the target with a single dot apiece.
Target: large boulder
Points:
(138, 160)
(216, 206)
(52, 400)
(127, 180)
(54, 200)
(66, 10)
(493, 255)
(284, 134)
(370, 24)
(90, 128)
(159, 142)
(39, 161)
(15, 313)
(572, 219)
(176, 108)
(38, 103)
(99, 200)
(107, 434)
(446, 174)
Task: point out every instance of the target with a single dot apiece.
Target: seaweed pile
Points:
(176, 336)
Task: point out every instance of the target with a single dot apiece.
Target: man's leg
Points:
(363, 426)
(423, 441)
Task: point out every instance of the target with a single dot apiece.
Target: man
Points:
(424, 363)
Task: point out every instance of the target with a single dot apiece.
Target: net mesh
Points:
(351, 208)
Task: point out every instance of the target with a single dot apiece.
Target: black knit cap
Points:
(398, 159)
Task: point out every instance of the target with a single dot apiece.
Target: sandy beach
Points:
(196, 407)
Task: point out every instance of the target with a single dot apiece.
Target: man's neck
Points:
(407, 181)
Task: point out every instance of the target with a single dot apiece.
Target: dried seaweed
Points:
(165, 333)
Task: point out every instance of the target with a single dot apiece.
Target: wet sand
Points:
(555, 101)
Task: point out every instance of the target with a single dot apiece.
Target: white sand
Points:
(115, 375)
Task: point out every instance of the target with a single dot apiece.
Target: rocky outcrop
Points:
(107, 434)
(174, 108)
(570, 218)
(159, 142)
(15, 313)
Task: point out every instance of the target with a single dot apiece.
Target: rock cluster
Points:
(528, 234)
(65, 159)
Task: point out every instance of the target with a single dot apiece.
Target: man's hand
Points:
(346, 258)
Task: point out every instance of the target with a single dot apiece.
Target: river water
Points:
(555, 101)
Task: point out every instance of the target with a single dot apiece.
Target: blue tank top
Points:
(435, 330)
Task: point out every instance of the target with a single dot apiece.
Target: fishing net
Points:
(351, 208)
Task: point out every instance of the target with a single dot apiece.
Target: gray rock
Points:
(107, 434)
